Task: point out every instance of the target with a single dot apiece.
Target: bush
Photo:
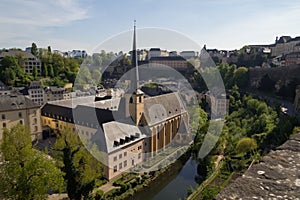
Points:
(99, 195)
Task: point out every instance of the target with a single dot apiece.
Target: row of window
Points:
(21, 122)
(4, 117)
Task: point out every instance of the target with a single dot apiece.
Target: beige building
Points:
(218, 102)
(17, 109)
(176, 62)
(54, 93)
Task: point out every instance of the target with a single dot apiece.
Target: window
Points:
(125, 163)
(21, 122)
(120, 166)
(4, 125)
(20, 114)
(115, 158)
(115, 168)
(139, 147)
(132, 162)
(139, 156)
(35, 128)
(35, 120)
(125, 154)
(3, 116)
(120, 156)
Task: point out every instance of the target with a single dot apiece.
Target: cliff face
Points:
(277, 176)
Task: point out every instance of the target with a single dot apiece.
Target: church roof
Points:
(160, 108)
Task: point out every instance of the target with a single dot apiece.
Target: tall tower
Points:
(136, 101)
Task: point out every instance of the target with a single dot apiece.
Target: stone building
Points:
(17, 109)
(126, 130)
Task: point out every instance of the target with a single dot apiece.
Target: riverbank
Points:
(137, 186)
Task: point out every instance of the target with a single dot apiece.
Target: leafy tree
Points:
(34, 72)
(246, 145)
(25, 173)
(240, 77)
(96, 76)
(81, 169)
(49, 50)
(44, 70)
(8, 76)
(34, 49)
(50, 70)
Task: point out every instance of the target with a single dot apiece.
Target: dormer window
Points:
(116, 143)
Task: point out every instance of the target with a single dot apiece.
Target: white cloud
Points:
(41, 13)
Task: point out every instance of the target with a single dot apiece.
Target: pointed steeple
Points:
(134, 61)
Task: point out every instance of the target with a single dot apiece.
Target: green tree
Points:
(8, 76)
(240, 77)
(81, 169)
(34, 72)
(44, 70)
(50, 70)
(34, 49)
(246, 145)
(96, 76)
(26, 173)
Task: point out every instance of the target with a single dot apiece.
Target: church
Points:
(123, 132)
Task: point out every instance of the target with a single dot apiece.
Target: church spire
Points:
(134, 60)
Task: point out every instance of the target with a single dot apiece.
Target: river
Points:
(173, 184)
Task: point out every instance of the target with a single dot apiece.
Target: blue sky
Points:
(82, 24)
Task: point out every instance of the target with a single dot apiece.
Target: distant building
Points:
(36, 92)
(284, 45)
(154, 52)
(17, 109)
(176, 62)
(30, 61)
(188, 54)
(173, 53)
(218, 101)
(78, 54)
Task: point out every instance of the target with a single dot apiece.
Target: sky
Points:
(84, 24)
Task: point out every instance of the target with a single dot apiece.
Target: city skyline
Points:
(67, 25)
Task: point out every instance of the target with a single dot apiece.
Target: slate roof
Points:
(162, 107)
(123, 135)
(16, 102)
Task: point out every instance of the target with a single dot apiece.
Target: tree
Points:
(34, 72)
(246, 145)
(81, 169)
(34, 49)
(26, 173)
(49, 50)
(8, 76)
(44, 70)
(96, 75)
(50, 70)
(240, 77)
